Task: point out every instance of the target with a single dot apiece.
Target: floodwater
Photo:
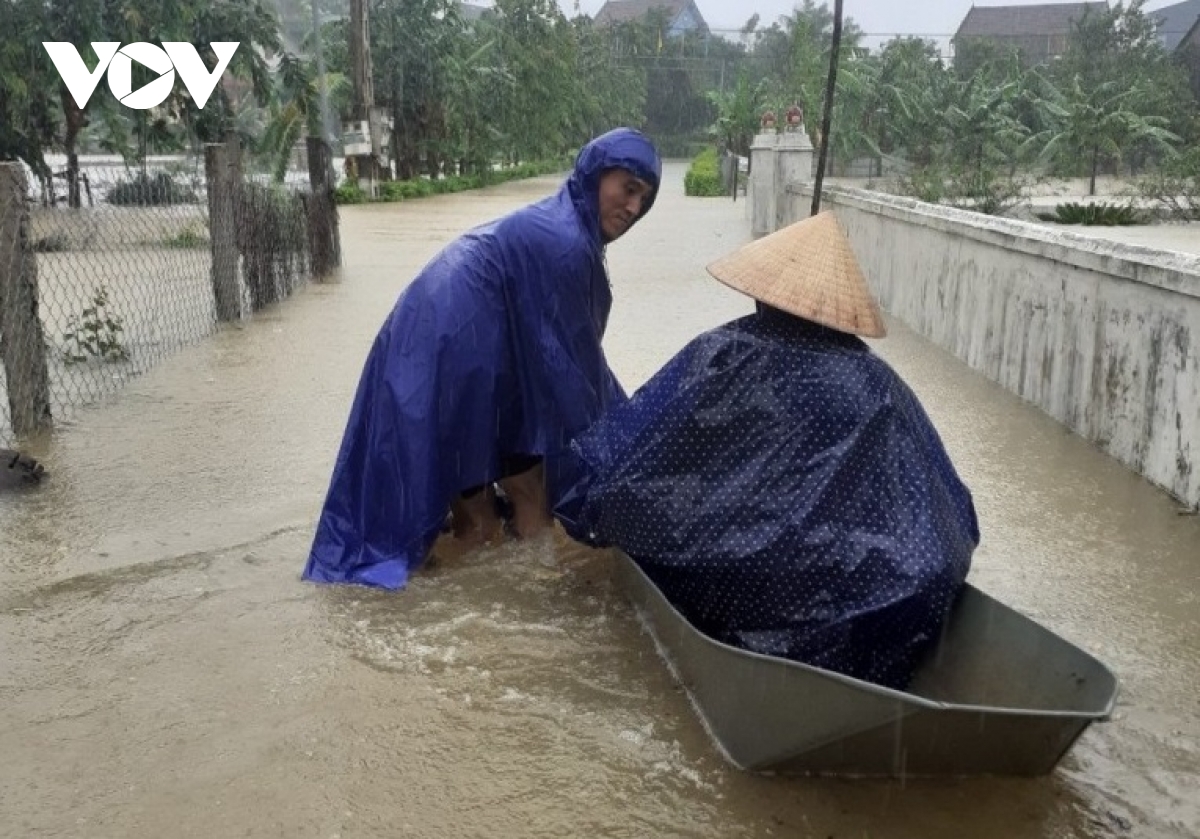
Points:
(165, 673)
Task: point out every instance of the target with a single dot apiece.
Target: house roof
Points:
(472, 11)
(1192, 36)
(622, 11)
(1175, 21)
(1048, 19)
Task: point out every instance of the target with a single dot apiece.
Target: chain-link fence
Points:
(105, 273)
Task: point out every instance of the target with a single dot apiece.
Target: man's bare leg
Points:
(475, 519)
(531, 506)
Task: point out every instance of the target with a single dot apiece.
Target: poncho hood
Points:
(622, 148)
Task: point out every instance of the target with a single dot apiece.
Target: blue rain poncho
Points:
(788, 494)
(493, 350)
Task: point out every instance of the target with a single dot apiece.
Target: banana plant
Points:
(1102, 122)
(738, 112)
(295, 109)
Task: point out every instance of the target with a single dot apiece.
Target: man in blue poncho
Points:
(779, 482)
(488, 365)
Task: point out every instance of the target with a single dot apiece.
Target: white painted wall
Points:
(1102, 336)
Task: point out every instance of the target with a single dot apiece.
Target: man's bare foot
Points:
(531, 523)
(531, 507)
(475, 522)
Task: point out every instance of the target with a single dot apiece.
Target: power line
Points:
(866, 34)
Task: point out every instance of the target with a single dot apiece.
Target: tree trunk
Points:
(74, 120)
(362, 108)
(325, 247)
(22, 338)
(1095, 166)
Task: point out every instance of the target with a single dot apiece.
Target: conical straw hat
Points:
(808, 270)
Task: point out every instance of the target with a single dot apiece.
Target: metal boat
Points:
(998, 695)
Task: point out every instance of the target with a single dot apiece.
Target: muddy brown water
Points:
(164, 672)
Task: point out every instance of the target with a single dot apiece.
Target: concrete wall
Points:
(1104, 337)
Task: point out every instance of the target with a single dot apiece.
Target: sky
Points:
(937, 19)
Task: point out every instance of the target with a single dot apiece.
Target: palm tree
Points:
(296, 108)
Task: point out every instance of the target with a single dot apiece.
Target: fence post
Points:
(793, 166)
(22, 340)
(324, 241)
(223, 176)
(761, 190)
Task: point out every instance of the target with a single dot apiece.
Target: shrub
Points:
(703, 177)
(95, 333)
(424, 187)
(403, 190)
(1099, 214)
(188, 237)
(925, 183)
(1176, 187)
(986, 190)
(349, 194)
(53, 243)
(150, 191)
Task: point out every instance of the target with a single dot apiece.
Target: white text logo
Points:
(172, 57)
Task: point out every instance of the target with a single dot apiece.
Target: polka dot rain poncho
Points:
(788, 494)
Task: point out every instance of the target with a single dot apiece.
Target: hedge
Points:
(703, 177)
(390, 191)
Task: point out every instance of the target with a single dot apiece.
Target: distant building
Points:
(472, 12)
(1188, 51)
(1175, 22)
(682, 15)
(1038, 33)
(1190, 42)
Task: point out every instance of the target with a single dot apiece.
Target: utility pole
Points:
(366, 152)
(327, 131)
(827, 117)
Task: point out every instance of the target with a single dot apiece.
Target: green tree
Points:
(810, 40)
(739, 111)
(414, 47)
(1116, 89)
(1103, 121)
(980, 144)
(536, 50)
(295, 108)
(608, 91)
(909, 89)
(28, 87)
(37, 127)
(677, 72)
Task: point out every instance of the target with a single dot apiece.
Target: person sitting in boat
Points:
(778, 481)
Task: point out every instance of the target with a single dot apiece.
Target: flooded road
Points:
(164, 672)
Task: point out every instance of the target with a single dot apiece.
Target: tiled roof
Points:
(1175, 21)
(472, 11)
(621, 11)
(1050, 19)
